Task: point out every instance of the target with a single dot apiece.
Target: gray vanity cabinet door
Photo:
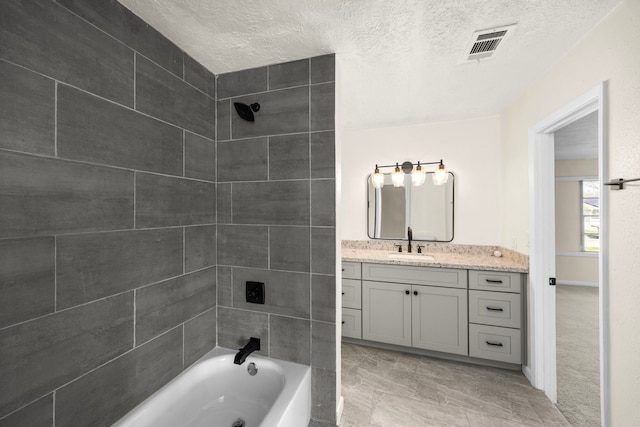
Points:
(440, 319)
(386, 312)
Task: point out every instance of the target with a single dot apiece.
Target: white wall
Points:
(609, 53)
(469, 148)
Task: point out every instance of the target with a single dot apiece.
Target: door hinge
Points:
(552, 281)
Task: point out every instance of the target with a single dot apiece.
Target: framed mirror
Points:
(427, 209)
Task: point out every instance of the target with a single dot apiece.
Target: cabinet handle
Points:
(495, 344)
(493, 280)
(343, 322)
(415, 292)
(495, 308)
(407, 292)
(343, 293)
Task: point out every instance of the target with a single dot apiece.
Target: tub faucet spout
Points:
(252, 345)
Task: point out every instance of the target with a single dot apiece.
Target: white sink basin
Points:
(416, 257)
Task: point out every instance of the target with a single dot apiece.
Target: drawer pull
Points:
(495, 344)
(493, 280)
(495, 308)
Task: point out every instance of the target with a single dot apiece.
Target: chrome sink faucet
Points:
(410, 234)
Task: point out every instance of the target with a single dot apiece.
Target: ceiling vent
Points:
(484, 43)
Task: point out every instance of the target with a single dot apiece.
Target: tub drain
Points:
(238, 423)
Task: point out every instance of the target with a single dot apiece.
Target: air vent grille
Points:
(485, 43)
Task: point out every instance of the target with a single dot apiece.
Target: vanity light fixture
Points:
(418, 175)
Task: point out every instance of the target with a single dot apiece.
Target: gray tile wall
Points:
(276, 216)
(108, 224)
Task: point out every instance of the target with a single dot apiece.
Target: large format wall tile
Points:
(117, 21)
(323, 202)
(323, 68)
(281, 111)
(223, 119)
(323, 250)
(165, 305)
(43, 37)
(286, 293)
(199, 336)
(199, 76)
(323, 156)
(274, 202)
(38, 413)
(289, 156)
(199, 157)
(243, 245)
(163, 201)
(244, 160)
(241, 82)
(235, 327)
(323, 305)
(43, 354)
(199, 247)
(98, 131)
(27, 109)
(290, 248)
(322, 106)
(45, 196)
(105, 395)
(290, 339)
(92, 266)
(27, 279)
(167, 97)
(289, 74)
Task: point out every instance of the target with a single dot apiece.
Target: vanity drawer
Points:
(495, 343)
(351, 270)
(495, 308)
(351, 323)
(495, 281)
(445, 277)
(351, 293)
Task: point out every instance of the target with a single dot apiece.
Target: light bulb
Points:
(418, 176)
(441, 175)
(377, 179)
(397, 177)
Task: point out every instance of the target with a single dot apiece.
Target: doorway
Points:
(542, 369)
(577, 224)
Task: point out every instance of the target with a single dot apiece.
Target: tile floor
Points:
(384, 388)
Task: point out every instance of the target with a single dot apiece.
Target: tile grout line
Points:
(135, 315)
(55, 119)
(135, 197)
(55, 273)
(135, 80)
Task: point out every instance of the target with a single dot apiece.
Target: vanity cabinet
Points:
(423, 308)
(495, 316)
(351, 300)
(472, 313)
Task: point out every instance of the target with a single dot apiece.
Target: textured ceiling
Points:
(400, 60)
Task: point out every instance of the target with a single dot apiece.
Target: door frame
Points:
(542, 298)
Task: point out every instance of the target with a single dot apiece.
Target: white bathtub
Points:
(214, 392)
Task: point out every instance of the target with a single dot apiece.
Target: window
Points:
(590, 195)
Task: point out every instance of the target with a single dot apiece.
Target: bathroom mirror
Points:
(427, 209)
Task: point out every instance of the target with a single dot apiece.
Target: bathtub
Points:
(214, 392)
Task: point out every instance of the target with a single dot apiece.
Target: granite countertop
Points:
(445, 256)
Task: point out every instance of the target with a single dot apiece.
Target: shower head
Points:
(246, 111)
